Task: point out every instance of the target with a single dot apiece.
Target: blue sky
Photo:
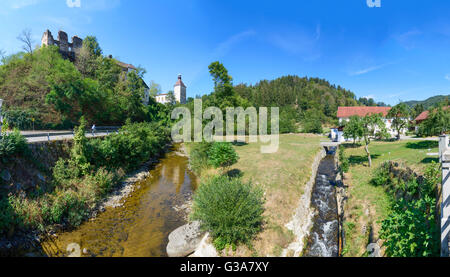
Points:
(397, 52)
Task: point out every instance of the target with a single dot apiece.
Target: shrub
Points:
(22, 119)
(7, 215)
(222, 154)
(12, 144)
(381, 176)
(229, 209)
(198, 158)
(135, 144)
(411, 230)
(343, 160)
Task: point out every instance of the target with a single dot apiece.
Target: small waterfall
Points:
(324, 237)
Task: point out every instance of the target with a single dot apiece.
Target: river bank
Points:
(137, 220)
(28, 243)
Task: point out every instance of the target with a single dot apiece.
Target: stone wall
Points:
(24, 174)
(69, 50)
(302, 221)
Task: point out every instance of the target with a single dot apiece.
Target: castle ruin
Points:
(69, 50)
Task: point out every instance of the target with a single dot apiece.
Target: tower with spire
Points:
(179, 91)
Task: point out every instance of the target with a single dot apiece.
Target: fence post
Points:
(48, 136)
(444, 157)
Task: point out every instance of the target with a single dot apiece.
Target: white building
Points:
(179, 92)
(162, 98)
(344, 114)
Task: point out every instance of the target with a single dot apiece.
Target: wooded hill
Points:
(301, 99)
(430, 102)
(55, 92)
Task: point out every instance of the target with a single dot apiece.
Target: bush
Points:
(343, 160)
(7, 215)
(12, 144)
(382, 175)
(229, 209)
(222, 154)
(198, 158)
(135, 144)
(411, 229)
(22, 119)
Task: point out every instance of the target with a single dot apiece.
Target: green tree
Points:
(400, 118)
(171, 98)
(312, 122)
(354, 128)
(370, 124)
(92, 45)
(437, 123)
(417, 110)
(154, 89)
(132, 93)
(79, 149)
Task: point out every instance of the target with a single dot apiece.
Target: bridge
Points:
(329, 144)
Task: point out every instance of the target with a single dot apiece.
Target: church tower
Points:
(179, 91)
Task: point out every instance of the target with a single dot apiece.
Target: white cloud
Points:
(301, 42)
(447, 77)
(18, 4)
(368, 69)
(408, 39)
(369, 97)
(73, 3)
(224, 47)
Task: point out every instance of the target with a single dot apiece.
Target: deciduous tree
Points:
(400, 116)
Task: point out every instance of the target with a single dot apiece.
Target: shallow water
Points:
(140, 228)
(324, 238)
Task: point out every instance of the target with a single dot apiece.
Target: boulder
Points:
(205, 249)
(374, 250)
(184, 240)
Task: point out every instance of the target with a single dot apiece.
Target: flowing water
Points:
(140, 228)
(324, 237)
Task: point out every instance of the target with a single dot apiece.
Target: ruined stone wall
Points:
(69, 50)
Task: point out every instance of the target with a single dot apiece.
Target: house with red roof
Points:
(344, 114)
(424, 116)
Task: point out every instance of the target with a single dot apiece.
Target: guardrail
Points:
(101, 129)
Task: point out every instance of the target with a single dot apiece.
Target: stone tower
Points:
(179, 91)
(69, 50)
(47, 38)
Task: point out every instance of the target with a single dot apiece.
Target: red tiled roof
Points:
(179, 82)
(361, 111)
(126, 65)
(423, 116)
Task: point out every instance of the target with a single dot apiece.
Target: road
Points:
(61, 137)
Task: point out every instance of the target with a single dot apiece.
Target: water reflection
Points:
(140, 228)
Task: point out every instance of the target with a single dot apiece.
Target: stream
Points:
(139, 228)
(323, 240)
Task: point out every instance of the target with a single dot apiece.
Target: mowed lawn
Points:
(368, 205)
(283, 176)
